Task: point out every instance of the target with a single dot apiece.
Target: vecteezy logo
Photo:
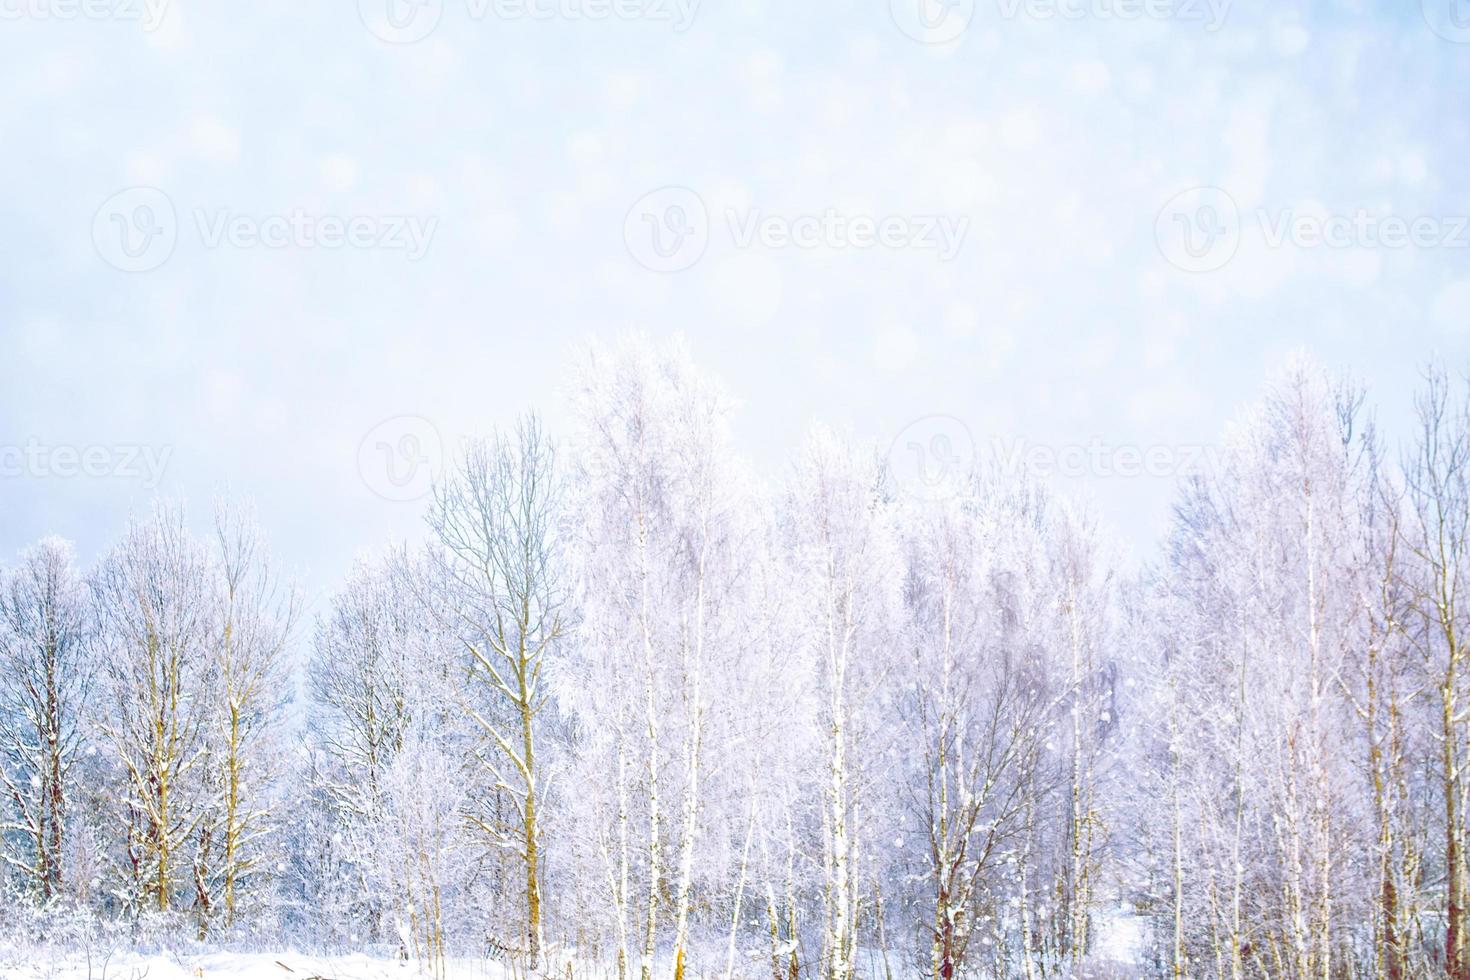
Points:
(1199, 229)
(1450, 19)
(932, 21)
(401, 458)
(400, 21)
(136, 229)
(667, 230)
(932, 457)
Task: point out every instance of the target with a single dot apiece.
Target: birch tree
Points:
(257, 614)
(158, 622)
(844, 556)
(1386, 690)
(624, 565)
(495, 520)
(662, 552)
(1268, 575)
(359, 675)
(977, 711)
(418, 844)
(1083, 573)
(45, 679)
(1436, 535)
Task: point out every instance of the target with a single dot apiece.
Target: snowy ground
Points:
(1120, 936)
(1120, 947)
(241, 966)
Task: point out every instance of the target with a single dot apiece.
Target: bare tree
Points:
(1268, 601)
(1436, 532)
(257, 613)
(159, 620)
(359, 677)
(45, 678)
(973, 719)
(845, 556)
(495, 519)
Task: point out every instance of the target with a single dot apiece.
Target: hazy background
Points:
(528, 148)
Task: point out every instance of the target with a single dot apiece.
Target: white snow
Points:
(1120, 936)
(244, 966)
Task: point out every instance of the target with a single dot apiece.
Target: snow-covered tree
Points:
(642, 711)
(847, 578)
(256, 615)
(386, 678)
(1008, 625)
(1269, 569)
(1432, 544)
(359, 674)
(45, 679)
(664, 538)
(415, 846)
(159, 619)
(503, 595)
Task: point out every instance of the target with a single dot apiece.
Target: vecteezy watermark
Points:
(833, 229)
(137, 229)
(944, 21)
(409, 21)
(1209, 14)
(932, 21)
(668, 230)
(1097, 458)
(147, 13)
(401, 458)
(1199, 230)
(1450, 19)
(41, 460)
(932, 457)
(298, 228)
(1363, 229)
(400, 21)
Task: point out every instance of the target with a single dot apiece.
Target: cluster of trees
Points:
(1306, 731)
(631, 706)
(140, 719)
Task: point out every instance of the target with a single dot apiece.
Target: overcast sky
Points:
(300, 248)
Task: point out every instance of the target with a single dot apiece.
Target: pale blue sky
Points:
(517, 147)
